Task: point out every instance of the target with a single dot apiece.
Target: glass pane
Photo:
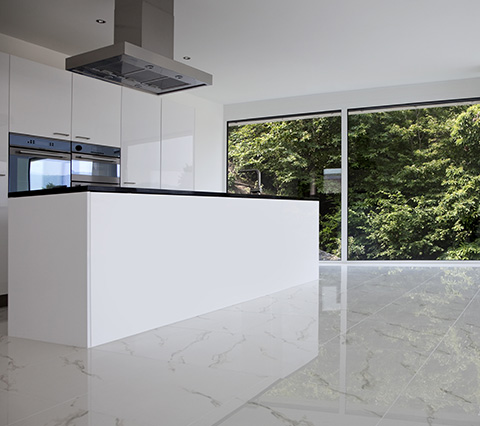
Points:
(95, 168)
(48, 173)
(414, 181)
(295, 158)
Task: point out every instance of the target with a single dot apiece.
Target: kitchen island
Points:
(89, 265)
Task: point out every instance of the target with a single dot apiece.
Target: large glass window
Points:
(414, 184)
(298, 157)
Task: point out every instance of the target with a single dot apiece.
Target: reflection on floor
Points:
(386, 346)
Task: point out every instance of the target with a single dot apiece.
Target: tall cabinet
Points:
(4, 89)
(141, 143)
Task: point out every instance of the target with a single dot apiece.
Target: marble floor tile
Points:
(301, 300)
(182, 395)
(76, 412)
(292, 414)
(446, 389)
(386, 345)
(361, 373)
(387, 289)
(278, 347)
(15, 406)
(25, 352)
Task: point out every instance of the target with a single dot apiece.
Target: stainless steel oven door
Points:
(92, 169)
(31, 169)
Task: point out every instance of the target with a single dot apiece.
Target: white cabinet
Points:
(4, 71)
(95, 111)
(41, 104)
(178, 128)
(140, 139)
(40, 99)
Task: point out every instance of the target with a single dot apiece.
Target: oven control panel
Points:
(100, 150)
(35, 142)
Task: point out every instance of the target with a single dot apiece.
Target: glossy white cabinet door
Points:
(178, 129)
(140, 139)
(40, 99)
(96, 112)
(4, 71)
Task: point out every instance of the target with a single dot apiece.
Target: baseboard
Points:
(3, 300)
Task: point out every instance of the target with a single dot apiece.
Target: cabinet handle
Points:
(129, 183)
(3, 174)
(82, 137)
(61, 134)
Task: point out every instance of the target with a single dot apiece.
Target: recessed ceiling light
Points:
(100, 21)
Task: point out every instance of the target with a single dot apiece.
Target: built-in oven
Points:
(95, 165)
(38, 163)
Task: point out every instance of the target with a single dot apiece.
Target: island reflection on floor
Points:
(365, 345)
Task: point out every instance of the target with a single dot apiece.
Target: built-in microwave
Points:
(95, 165)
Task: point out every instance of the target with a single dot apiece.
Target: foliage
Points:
(414, 184)
(290, 154)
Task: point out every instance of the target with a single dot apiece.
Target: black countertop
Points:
(121, 190)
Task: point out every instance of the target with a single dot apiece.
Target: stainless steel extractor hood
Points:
(142, 54)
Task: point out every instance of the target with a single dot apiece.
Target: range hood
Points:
(142, 54)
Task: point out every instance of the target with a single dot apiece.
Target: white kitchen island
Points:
(92, 265)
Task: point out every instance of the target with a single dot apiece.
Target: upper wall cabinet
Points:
(178, 130)
(140, 139)
(96, 111)
(40, 99)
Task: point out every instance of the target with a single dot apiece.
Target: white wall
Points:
(455, 89)
(23, 49)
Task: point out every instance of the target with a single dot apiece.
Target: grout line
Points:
(401, 393)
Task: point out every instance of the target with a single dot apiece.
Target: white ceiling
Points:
(266, 49)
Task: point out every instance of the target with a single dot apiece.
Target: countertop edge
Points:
(150, 191)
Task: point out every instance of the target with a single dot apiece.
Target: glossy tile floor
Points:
(363, 346)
